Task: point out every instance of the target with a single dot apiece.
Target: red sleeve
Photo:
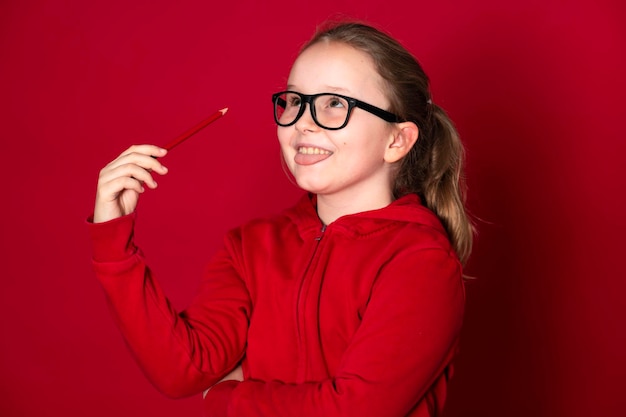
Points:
(407, 338)
(181, 353)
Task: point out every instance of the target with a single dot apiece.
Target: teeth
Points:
(313, 151)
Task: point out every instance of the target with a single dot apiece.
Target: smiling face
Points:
(347, 165)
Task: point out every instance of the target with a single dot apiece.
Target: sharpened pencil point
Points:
(224, 110)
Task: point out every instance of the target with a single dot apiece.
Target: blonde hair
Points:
(433, 168)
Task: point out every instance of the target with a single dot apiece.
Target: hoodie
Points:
(358, 318)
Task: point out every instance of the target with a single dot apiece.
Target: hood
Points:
(407, 209)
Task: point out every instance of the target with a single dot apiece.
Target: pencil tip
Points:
(224, 110)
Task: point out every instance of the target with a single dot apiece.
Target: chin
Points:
(310, 187)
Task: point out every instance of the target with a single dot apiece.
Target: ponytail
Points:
(433, 169)
(444, 187)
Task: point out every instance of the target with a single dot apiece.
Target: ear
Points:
(403, 138)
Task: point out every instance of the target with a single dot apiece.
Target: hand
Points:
(235, 375)
(121, 181)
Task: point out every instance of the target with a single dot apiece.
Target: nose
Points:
(306, 122)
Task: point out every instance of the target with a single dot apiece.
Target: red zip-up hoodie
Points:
(358, 318)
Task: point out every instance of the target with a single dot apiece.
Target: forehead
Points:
(333, 66)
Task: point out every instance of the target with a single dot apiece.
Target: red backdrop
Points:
(537, 91)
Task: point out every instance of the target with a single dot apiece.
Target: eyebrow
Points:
(328, 88)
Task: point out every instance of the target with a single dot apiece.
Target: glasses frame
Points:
(310, 99)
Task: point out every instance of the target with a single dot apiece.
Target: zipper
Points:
(321, 235)
(301, 369)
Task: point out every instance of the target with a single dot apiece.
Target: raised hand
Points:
(122, 180)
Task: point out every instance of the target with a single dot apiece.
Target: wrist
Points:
(217, 399)
(112, 240)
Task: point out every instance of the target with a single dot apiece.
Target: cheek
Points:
(286, 150)
(283, 137)
(369, 140)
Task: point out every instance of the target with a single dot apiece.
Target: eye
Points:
(294, 100)
(336, 102)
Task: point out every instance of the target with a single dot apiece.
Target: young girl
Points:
(348, 303)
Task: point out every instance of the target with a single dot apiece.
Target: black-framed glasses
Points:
(328, 110)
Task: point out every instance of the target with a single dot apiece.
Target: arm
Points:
(406, 340)
(184, 353)
(180, 353)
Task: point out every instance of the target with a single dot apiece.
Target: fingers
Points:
(135, 170)
(110, 188)
(150, 150)
(141, 155)
(136, 162)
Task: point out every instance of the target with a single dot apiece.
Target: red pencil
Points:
(196, 128)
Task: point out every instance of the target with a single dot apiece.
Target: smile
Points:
(311, 155)
(309, 150)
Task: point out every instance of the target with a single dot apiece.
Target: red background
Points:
(537, 91)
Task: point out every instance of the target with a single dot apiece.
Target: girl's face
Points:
(348, 163)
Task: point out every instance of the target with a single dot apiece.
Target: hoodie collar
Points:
(406, 209)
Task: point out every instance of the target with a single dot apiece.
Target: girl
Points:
(348, 303)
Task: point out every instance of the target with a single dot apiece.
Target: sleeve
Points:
(181, 353)
(406, 340)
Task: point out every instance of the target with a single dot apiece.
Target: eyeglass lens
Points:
(328, 110)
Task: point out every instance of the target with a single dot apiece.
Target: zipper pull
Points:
(321, 233)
